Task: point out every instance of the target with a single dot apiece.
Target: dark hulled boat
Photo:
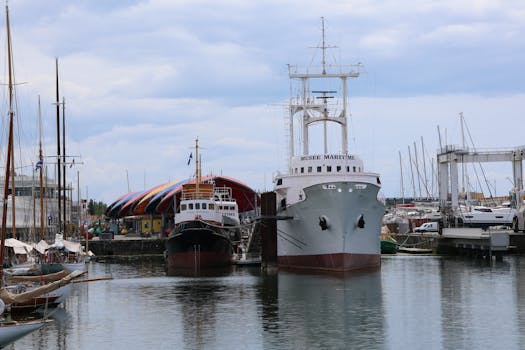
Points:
(206, 221)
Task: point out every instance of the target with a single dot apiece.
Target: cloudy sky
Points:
(143, 79)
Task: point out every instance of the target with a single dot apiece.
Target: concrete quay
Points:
(122, 245)
(467, 241)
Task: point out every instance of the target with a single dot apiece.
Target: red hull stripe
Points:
(330, 262)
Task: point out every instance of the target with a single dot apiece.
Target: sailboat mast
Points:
(59, 175)
(64, 165)
(13, 194)
(424, 167)
(33, 198)
(11, 116)
(402, 185)
(41, 160)
(9, 148)
(464, 149)
(11, 112)
(412, 172)
(417, 169)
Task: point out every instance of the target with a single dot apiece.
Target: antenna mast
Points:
(324, 47)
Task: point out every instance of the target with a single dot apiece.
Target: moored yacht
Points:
(482, 216)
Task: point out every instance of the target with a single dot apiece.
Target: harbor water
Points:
(411, 302)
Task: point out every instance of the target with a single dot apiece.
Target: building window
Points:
(302, 170)
(319, 169)
(338, 168)
(354, 169)
(309, 169)
(347, 169)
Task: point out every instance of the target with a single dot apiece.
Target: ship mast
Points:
(58, 151)
(41, 161)
(64, 167)
(197, 169)
(11, 113)
(308, 108)
(9, 147)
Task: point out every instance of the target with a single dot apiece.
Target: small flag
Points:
(189, 159)
(39, 164)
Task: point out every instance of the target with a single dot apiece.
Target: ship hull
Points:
(196, 245)
(343, 245)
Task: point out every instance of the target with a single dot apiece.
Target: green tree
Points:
(96, 208)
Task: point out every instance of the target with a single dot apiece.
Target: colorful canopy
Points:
(160, 199)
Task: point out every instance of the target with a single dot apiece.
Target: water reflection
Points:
(322, 311)
(410, 303)
(467, 282)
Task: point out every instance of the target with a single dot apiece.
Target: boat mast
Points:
(59, 175)
(424, 167)
(463, 171)
(197, 172)
(402, 185)
(412, 172)
(64, 166)
(11, 95)
(312, 112)
(9, 147)
(41, 160)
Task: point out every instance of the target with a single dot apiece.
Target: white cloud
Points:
(142, 79)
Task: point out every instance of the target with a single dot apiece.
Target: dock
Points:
(485, 243)
(493, 242)
(475, 241)
(122, 245)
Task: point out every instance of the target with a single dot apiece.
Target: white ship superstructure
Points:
(336, 216)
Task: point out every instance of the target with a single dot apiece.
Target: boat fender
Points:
(361, 221)
(323, 222)
(2, 306)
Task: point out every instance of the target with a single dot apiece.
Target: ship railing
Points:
(196, 195)
(224, 193)
(328, 69)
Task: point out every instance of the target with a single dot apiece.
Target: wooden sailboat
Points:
(10, 331)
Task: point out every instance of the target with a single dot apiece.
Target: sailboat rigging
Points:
(41, 168)
(9, 157)
(10, 331)
(59, 160)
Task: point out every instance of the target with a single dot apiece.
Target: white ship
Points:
(332, 200)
